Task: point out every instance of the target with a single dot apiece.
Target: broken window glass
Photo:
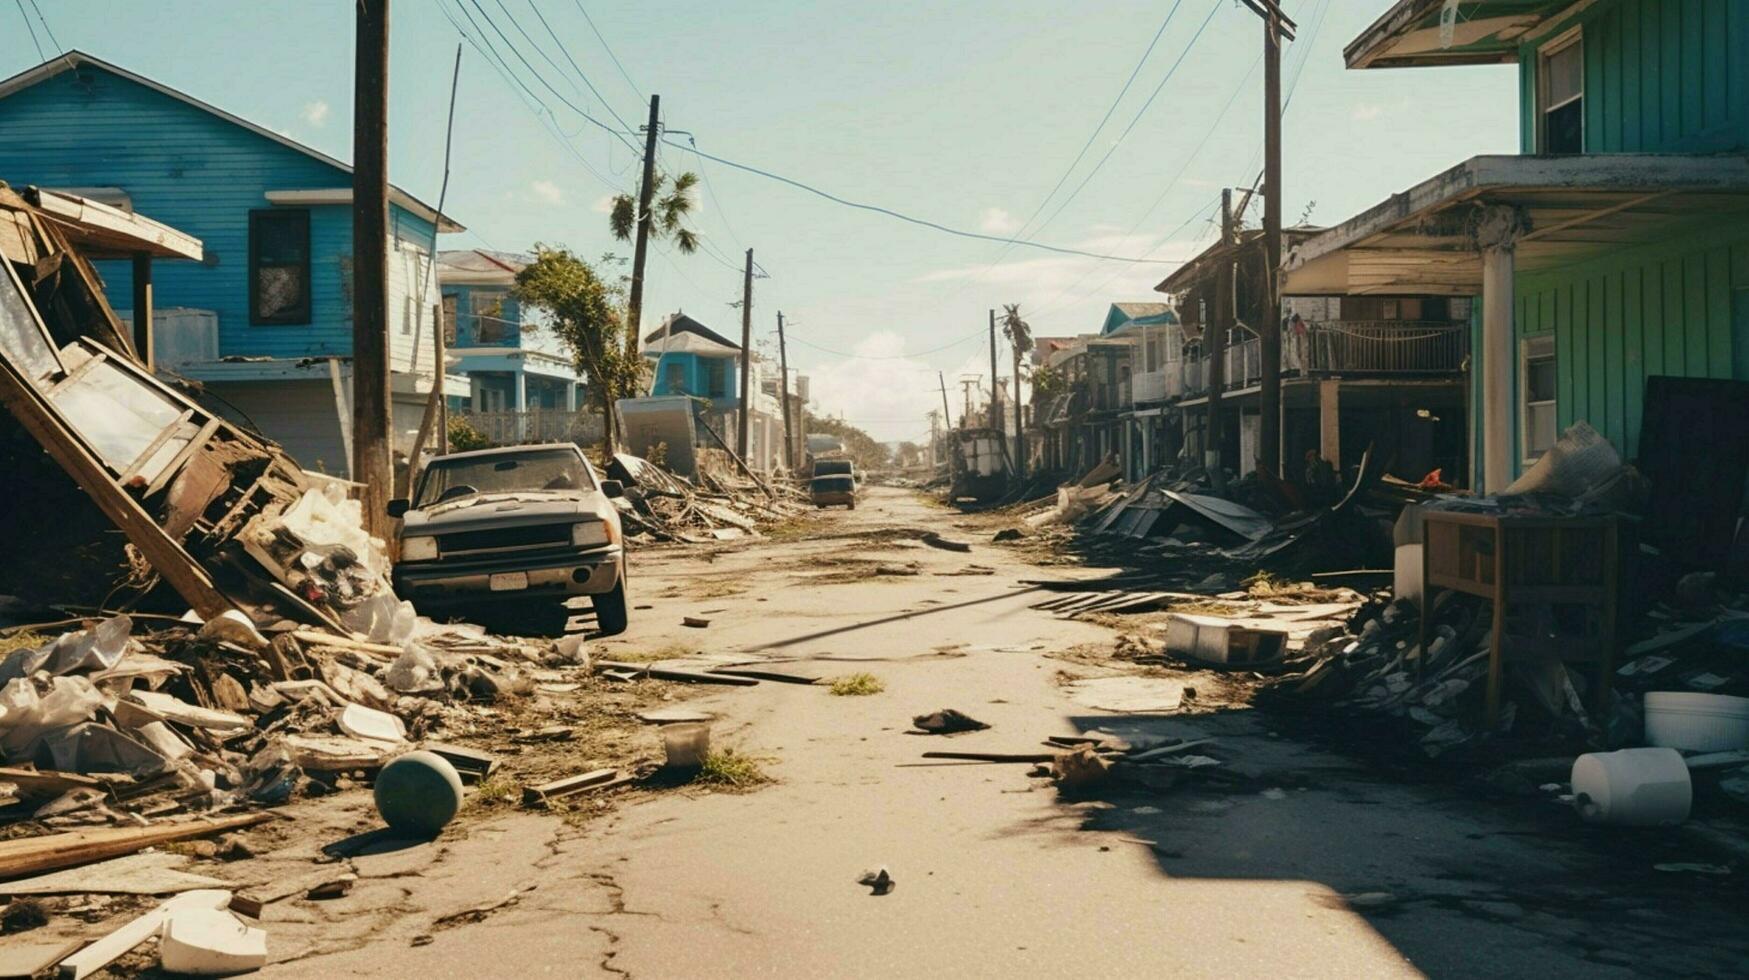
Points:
(22, 339)
(279, 266)
(120, 416)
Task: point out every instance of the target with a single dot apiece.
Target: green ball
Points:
(418, 793)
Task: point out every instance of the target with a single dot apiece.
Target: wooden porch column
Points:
(1330, 423)
(143, 310)
(1496, 365)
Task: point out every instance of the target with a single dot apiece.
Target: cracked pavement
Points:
(1303, 863)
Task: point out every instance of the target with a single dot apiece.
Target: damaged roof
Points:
(680, 333)
(478, 266)
(74, 60)
(1418, 33)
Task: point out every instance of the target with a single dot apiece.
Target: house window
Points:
(279, 266)
(1561, 96)
(449, 319)
(716, 377)
(676, 383)
(1536, 385)
(488, 309)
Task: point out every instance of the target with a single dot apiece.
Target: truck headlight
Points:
(418, 549)
(588, 534)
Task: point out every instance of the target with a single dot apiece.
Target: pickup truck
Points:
(512, 528)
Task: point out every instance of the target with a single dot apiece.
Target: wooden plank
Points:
(993, 756)
(165, 555)
(35, 855)
(35, 783)
(569, 785)
(79, 371)
(671, 673)
(196, 445)
(158, 442)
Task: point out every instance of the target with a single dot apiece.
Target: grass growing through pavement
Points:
(731, 769)
(858, 685)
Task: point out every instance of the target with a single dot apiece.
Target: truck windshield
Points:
(543, 469)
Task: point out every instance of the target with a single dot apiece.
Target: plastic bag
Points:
(98, 648)
(26, 714)
(414, 672)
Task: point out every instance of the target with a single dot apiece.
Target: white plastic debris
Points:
(371, 725)
(26, 713)
(413, 672)
(98, 648)
(210, 943)
(231, 626)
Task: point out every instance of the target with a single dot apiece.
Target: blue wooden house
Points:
(692, 359)
(512, 363)
(264, 322)
(1612, 250)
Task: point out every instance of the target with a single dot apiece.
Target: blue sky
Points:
(963, 113)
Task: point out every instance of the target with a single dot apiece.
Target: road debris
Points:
(878, 882)
(418, 793)
(947, 721)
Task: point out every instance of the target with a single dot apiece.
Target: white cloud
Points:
(888, 394)
(996, 221)
(603, 204)
(1366, 112)
(315, 113)
(547, 191)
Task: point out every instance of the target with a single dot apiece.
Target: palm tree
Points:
(670, 203)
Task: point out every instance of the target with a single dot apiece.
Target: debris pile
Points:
(660, 506)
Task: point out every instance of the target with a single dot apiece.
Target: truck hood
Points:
(488, 510)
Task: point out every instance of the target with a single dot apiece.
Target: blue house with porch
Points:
(264, 323)
(692, 359)
(512, 362)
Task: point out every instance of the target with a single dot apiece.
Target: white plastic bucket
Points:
(1632, 787)
(1697, 722)
(687, 744)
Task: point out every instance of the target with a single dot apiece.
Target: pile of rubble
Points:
(660, 506)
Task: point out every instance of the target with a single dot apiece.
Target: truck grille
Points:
(523, 538)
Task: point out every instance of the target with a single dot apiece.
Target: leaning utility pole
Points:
(789, 434)
(641, 248)
(745, 428)
(372, 458)
(946, 413)
(1275, 27)
(1019, 416)
(1215, 336)
(995, 382)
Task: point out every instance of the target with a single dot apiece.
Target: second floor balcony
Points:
(1377, 348)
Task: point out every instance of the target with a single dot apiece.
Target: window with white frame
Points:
(1536, 387)
(1561, 95)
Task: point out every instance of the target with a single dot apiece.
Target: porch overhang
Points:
(104, 231)
(1480, 32)
(1553, 211)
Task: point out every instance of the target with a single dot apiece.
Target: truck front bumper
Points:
(440, 583)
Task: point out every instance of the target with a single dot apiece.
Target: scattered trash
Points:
(935, 540)
(686, 745)
(592, 781)
(1221, 641)
(1079, 769)
(418, 793)
(947, 721)
(111, 947)
(1632, 787)
(858, 685)
(210, 943)
(695, 622)
(879, 882)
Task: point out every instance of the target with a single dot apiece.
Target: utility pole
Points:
(1216, 337)
(967, 386)
(372, 459)
(746, 420)
(995, 383)
(946, 413)
(1019, 416)
(1275, 27)
(789, 433)
(641, 248)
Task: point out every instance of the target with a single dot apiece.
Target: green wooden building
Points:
(1614, 248)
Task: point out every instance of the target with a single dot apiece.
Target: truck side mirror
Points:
(398, 507)
(613, 488)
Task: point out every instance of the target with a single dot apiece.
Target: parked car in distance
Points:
(832, 490)
(834, 467)
(518, 528)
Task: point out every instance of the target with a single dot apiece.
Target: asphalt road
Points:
(1303, 864)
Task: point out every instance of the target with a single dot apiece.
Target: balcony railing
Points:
(535, 425)
(1376, 347)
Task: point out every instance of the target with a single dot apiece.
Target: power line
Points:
(46, 29)
(636, 88)
(1021, 232)
(569, 60)
(616, 133)
(30, 27)
(1135, 119)
(922, 222)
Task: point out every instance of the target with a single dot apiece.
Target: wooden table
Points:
(1527, 560)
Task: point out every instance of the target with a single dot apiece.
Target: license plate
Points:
(509, 581)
